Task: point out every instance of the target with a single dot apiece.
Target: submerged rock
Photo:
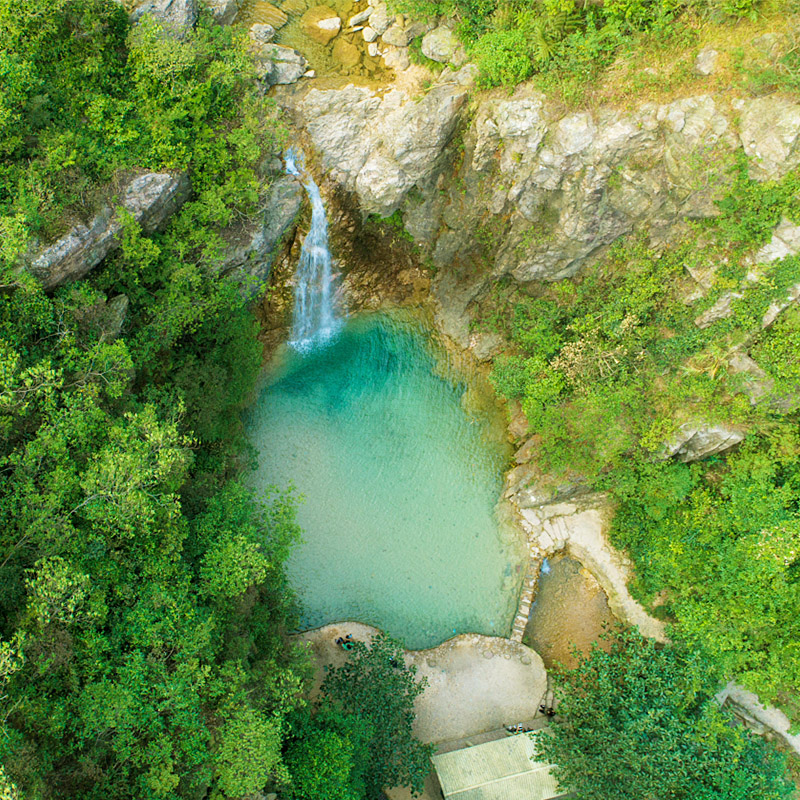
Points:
(321, 23)
(348, 55)
(150, 199)
(272, 15)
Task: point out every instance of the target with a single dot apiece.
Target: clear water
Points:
(315, 319)
(400, 481)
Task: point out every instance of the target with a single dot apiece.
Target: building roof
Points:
(504, 769)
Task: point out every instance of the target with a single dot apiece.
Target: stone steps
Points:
(529, 584)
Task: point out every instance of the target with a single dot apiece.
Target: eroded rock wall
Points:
(515, 186)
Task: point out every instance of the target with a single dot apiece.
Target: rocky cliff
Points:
(496, 185)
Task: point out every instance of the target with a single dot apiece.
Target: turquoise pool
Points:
(400, 470)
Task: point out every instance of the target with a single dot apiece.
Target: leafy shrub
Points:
(503, 58)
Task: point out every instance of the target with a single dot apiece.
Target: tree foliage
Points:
(641, 721)
(143, 601)
(377, 686)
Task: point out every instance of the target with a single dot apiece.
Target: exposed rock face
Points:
(377, 146)
(252, 248)
(697, 440)
(536, 193)
(442, 45)
(770, 133)
(223, 11)
(176, 15)
(279, 65)
(151, 199)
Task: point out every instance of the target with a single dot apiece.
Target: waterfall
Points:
(315, 321)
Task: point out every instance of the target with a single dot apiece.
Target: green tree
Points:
(641, 722)
(377, 686)
(327, 754)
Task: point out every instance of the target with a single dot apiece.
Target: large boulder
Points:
(380, 144)
(442, 45)
(279, 65)
(178, 16)
(321, 23)
(252, 247)
(150, 199)
(696, 440)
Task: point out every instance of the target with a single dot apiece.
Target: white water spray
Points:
(315, 321)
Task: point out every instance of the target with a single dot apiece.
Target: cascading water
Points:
(315, 320)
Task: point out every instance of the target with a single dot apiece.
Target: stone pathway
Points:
(475, 683)
(529, 586)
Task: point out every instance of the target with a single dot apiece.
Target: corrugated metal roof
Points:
(501, 770)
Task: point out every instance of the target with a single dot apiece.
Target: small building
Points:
(504, 769)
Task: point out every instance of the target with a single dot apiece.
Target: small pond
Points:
(571, 610)
(400, 464)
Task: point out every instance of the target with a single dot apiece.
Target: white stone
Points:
(380, 19)
(331, 24)
(360, 18)
(706, 61)
(369, 34)
(372, 49)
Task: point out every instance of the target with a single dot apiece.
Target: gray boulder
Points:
(696, 440)
(223, 11)
(262, 33)
(279, 65)
(380, 19)
(252, 248)
(150, 199)
(706, 61)
(770, 134)
(442, 45)
(176, 15)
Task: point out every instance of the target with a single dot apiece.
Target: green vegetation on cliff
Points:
(567, 43)
(610, 365)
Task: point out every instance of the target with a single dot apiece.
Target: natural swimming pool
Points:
(401, 470)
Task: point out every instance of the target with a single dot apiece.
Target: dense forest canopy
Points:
(143, 599)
